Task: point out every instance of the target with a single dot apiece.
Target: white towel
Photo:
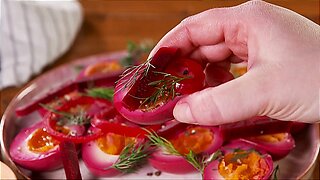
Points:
(34, 34)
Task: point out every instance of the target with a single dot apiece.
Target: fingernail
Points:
(183, 113)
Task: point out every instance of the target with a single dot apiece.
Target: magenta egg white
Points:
(97, 161)
(157, 115)
(35, 161)
(38, 161)
(166, 162)
(277, 149)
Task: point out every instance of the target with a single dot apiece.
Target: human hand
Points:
(282, 50)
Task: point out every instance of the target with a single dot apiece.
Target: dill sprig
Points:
(132, 157)
(162, 142)
(214, 156)
(138, 71)
(165, 88)
(135, 52)
(101, 92)
(275, 172)
(241, 154)
(80, 118)
(198, 162)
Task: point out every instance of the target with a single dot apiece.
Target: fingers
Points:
(211, 53)
(235, 100)
(204, 30)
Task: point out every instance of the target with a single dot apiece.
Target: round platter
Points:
(298, 164)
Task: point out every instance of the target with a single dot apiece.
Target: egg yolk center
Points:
(61, 100)
(113, 143)
(41, 141)
(238, 71)
(196, 139)
(79, 109)
(271, 137)
(62, 129)
(102, 68)
(243, 165)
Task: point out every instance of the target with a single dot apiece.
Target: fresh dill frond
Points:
(101, 92)
(162, 142)
(197, 161)
(275, 172)
(135, 72)
(81, 118)
(165, 88)
(132, 157)
(135, 52)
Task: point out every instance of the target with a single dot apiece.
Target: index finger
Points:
(203, 35)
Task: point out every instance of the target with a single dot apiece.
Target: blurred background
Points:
(106, 26)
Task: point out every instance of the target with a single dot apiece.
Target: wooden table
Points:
(109, 25)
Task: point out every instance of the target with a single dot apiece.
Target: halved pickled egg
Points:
(240, 160)
(199, 139)
(99, 155)
(146, 94)
(277, 145)
(33, 148)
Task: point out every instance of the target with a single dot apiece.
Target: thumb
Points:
(235, 100)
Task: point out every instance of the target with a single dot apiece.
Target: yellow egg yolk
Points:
(61, 100)
(271, 137)
(196, 139)
(238, 71)
(243, 165)
(113, 143)
(62, 129)
(102, 68)
(41, 141)
(79, 108)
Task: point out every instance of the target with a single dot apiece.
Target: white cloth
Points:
(34, 34)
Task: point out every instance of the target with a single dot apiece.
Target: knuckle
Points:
(186, 21)
(255, 4)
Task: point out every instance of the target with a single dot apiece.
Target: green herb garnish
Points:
(135, 52)
(165, 89)
(194, 159)
(81, 118)
(132, 157)
(135, 72)
(275, 172)
(216, 155)
(106, 93)
(241, 154)
(78, 68)
(162, 142)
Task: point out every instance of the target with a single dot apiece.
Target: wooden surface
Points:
(108, 25)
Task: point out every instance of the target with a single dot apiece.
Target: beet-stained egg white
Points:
(33, 148)
(277, 145)
(99, 155)
(199, 139)
(146, 94)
